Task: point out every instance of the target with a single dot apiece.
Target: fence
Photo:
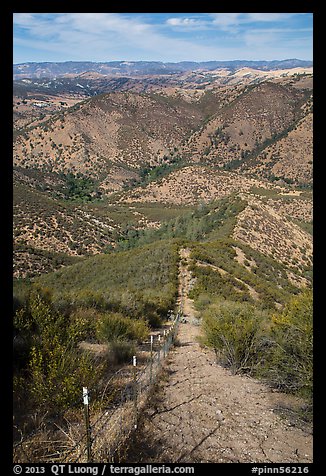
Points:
(101, 434)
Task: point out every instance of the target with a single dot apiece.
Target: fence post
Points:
(134, 363)
(151, 363)
(164, 343)
(88, 428)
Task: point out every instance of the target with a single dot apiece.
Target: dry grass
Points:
(266, 230)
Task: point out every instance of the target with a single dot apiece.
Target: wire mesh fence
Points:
(95, 431)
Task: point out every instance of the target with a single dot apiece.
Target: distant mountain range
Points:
(55, 69)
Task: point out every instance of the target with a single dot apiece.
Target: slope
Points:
(141, 283)
(259, 117)
(108, 137)
(275, 220)
(291, 157)
(202, 413)
(263, 216)
(236, 243)
(57, 221)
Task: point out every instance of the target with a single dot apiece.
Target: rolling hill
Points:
(141, 193)
(90, 173)
(108, 137)
(259, 122)
(111, 137)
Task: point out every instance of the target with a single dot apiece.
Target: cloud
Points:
(117, 36)
(187, 23)
(269, 17)
(233, 22)
(227, 21)
(282, 37)
(103, 36)
(23, 19)
(80, 34)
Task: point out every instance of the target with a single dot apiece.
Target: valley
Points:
(142, 190)
(170, 149)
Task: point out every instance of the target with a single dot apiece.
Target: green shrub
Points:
(136, 283)
(268, 277)
(56, 376)
(83, 324)
(21, 292)
(47, 357)
(290, 364)
(235, 331)
(203, 301)
(121, 351)
(113, 327)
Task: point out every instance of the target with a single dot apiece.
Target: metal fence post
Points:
(88, 428)
(164, 343)
(134, 363)
(151, 362)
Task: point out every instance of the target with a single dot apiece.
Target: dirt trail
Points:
(203, 413)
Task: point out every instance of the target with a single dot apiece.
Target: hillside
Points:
(290, 157)
(90, 174)
(278, 227)
(108, 137)
(192, 184)
(258, 123)
(45, 222)
(51, 231)
(223, 265)
(263, 129)
(255, 222)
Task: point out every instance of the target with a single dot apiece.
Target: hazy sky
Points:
(161, 36)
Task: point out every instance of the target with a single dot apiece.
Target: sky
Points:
(167, 37)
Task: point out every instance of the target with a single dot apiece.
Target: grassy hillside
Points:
(140, 283)
(233, 271)
(260, 131)
(108, 137)
(111, 137)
